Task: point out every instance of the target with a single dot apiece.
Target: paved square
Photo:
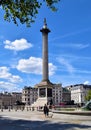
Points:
(34, 120)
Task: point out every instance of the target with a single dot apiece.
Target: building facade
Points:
(66, 95)
(79, 92)
(57, 94)
(29, 95)
(9, 99)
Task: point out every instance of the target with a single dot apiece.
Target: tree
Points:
(88, 97)
(24, 10)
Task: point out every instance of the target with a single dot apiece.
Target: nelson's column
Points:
(45, 86)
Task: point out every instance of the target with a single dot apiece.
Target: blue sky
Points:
(69, 47)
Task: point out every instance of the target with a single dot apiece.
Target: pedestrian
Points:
(46, 110)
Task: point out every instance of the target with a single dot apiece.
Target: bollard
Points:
(2, 108)
(9, 108)
(27, 108)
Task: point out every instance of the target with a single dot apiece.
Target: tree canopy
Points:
(88, 97)
(24, 10)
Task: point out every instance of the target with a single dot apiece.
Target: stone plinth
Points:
(44, 93)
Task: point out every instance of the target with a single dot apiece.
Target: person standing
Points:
(46, 110)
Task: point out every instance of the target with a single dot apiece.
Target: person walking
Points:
(46, 110)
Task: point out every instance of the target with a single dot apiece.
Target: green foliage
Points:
(24, 10)
(88, 97)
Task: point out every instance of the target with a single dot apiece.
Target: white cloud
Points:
(75, 45)
(79, 46)
(70, 34)
(86, 82)
(31, 65)
(69, 67)
(4, 74)
(17, 45)
(9, 87)
(34, 65)
(81, 71)
(52, 69)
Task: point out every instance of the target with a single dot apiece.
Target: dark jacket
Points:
(46, 110)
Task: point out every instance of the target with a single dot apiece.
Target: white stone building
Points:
(79, 92)
(29, 95)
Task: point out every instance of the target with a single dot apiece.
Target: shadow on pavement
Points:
(12, 124)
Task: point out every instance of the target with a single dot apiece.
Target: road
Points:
(34, 120)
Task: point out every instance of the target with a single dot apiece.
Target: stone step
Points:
(39, 102)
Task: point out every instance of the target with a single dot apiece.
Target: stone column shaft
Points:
(45, 57)
(45, 70)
